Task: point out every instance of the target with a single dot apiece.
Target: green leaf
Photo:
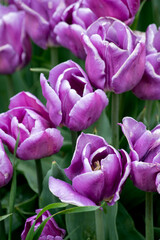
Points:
(46, 196)
(28, 169)
(44, 70)
(135, 23)
(5, 216)
(125, 226)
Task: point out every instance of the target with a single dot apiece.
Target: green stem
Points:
(2, 227)
(112, 210)
(54, 56)
(149, 105)
(149, 216)
(12, 201)
(10, 86)
(74, 136)
(100, 234)
(115, 120)
(39, 175)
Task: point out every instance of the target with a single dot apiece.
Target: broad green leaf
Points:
(46, 196)
(125, 225)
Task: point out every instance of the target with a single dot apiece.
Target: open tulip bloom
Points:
(97, 171)
(145, 154)
(70, 97)
(115, 55)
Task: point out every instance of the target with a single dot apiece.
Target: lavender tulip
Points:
(29, 118)
(145, 152)
(74, 21)
(43, 16)
(51, 231)
(97, 172)
(149, 86)
(115, 55)
(6, 169)
(70, 97)
(15, 47)
(122, 10)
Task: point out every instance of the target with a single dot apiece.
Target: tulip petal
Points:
(85, 111)
(26, 99)
(144, 175)
(93, 142)
(66, 193)
(40, 145)
(6, 169)
(90, 185)
(53, 101)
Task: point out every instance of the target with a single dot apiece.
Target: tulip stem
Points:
(39, 175)
(54, 56)
(149, 216)
(74, 136)
(100, 234)
(13, 190)
(148, 104)
(12, 200)
(115, 120)
(2, 227)
(10, 86)
(112, 210)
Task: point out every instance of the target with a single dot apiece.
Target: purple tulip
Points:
(15, 46)
(74, 21)
(121, 9)
(149, 86)
(115, 55)
(145, 154)
(97, 172)
(70, 97)
(51, 231)
(6, 169)
(29, 118)
(43, 17)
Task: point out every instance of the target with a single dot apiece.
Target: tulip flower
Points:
(50, 231)
(6, 169)
(145, 152)
(74, 21)
(29, 119)
(115, 55)
(70, 97)
(122, 10)
(43, 16)
(15, 46)
(148, 87)
(97, 171)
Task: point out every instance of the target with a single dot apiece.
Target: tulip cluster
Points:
(117, 60)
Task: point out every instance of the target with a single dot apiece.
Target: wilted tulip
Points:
(70, 97)
(15, 46)
(122, 10)
(149, 86)
(145, 154)
(97, 171)
(115, 55)
(29, 119)
(74, 21)
(6, 169)
(51, 231)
